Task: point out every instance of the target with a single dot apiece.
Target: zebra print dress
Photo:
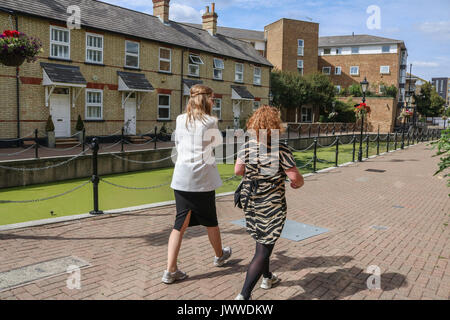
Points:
(263, 194)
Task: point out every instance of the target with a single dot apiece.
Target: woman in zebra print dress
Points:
(264, 166)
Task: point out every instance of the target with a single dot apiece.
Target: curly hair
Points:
(265, 118)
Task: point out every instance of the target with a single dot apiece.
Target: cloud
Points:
(439, 29)
(427, 64)
(184, 13)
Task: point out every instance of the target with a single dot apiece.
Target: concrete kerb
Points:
(50, 221)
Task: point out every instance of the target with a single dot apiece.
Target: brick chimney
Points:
(210, 20)
(161, 10)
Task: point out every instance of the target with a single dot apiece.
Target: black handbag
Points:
(237, 195)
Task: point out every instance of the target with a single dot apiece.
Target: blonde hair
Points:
(199, 103)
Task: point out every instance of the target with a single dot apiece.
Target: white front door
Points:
(130, 116)
(60, 112)
(237, 113)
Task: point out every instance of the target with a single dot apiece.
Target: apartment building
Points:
(350, 59)
(123, 68)
(442, 86)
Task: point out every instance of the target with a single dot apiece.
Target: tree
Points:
(428, 101)
(289, 90)
(322, 91)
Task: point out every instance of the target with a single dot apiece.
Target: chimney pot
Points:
(210, 20)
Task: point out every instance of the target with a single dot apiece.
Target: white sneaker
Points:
(267, 283)
(218, 262)
(171, 277)
(241, 297)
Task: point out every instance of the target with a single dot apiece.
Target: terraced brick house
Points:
(123, 68)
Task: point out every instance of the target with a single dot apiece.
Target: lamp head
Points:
(364, 85)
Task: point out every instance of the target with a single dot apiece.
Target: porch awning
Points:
(62, 75)
(241, 93)
(129, 81)
(188, 84)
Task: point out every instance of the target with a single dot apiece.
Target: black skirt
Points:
(201, 204)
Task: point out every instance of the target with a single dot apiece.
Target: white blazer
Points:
(195, 167)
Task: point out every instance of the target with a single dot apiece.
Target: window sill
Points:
(169, 73)
(59, 59)
(131, 68)
(94, 120)
(164, 120)
(257, 85)
(193, 76)
(220, 80)
(94, 64)
(239, 82)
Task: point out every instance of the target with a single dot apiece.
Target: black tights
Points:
(259, 266)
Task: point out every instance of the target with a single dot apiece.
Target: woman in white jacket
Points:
(195, 179)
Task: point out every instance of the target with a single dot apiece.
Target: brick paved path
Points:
(127, 253)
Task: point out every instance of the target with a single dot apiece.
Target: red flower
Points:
(11, 33)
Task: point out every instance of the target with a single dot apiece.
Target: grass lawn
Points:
(111, 197)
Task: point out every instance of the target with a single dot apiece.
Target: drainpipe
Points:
(182, 76)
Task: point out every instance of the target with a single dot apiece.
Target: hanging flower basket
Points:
(16, 47)
(406, 113)
(362, 109)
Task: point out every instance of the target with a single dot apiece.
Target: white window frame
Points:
(326, 68)
(387, 46)
(194, 63)
(59, 43)
(257, 78)
(236, 72)
(336, 70)
(326, 54)
(338, 89)
(163, 106)
(101, 50)
(217, 67)
(219, 109)
(302, 67)
(90, 104)
(357, 49)
(305, 115)
(256, 105)
(165, 60)
(388, 69)
(133, 54)
(354, 74)
(300, 48)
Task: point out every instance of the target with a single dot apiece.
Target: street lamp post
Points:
(364, 86)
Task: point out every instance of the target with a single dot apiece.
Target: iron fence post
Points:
(315, 155)
(318, 130)
(122, 139)
(84, 139)
(354, 147)
(378, 142)
(310, 127)
(334, 128)
(337, 150)
(367, 145)
(395, 141)
(95, 178)
(289, 132)
(36, 143)
(326, 132)
(388, 142)
(156, 135)
(300, 130)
